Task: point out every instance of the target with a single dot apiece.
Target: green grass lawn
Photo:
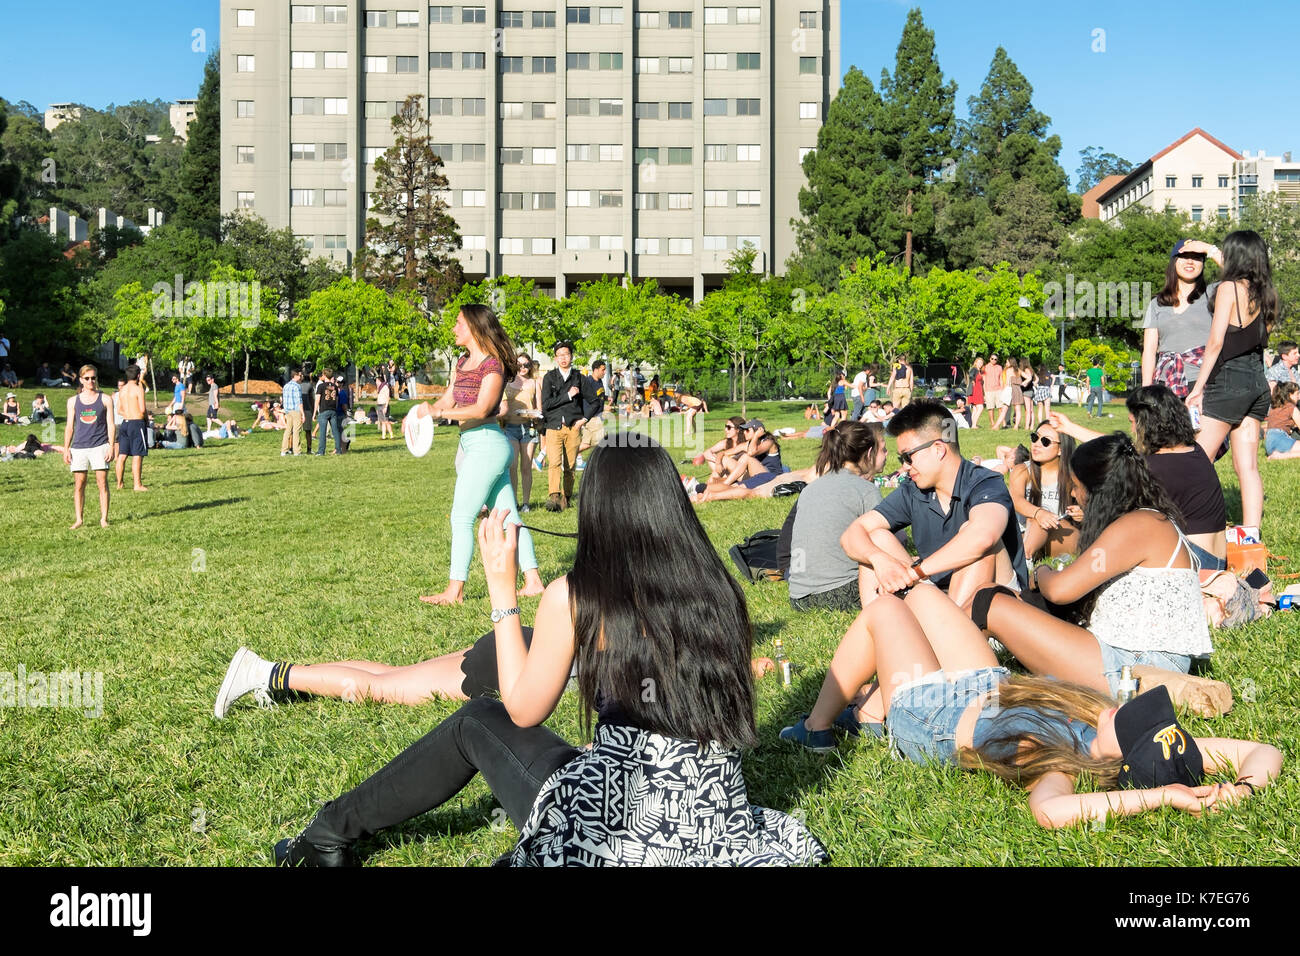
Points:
(323, 558)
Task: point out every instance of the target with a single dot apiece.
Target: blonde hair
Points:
(1041, 752)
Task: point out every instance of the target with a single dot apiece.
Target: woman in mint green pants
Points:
(473, 399)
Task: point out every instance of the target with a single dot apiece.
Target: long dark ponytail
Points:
(670, 652)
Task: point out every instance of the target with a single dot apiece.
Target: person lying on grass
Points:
(667, 676)
(1135, 585)
(960, 515)
(1034, 732)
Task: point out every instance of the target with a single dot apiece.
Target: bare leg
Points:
(1035, 539)
(515, 455)
(137, 471)
(78, 497)
(1245, 461)
(119, 468)
(101, 481)
(526, 451)
(1045, 644)
(355, 681)
(1211, 436)
(904, 656)
(966, 581)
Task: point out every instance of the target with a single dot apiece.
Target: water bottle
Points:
(782, 662)
(1128, 685)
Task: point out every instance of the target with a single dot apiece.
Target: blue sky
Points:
(1160, 74)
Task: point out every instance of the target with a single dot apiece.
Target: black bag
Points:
(756, 557)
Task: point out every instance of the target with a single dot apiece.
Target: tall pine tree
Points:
(878, 155)
(412, 247)
(1012, 199)
(919, 126)
(841, 203)
(199, 203)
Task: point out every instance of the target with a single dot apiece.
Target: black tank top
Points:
(90, 426)
(1241, 340)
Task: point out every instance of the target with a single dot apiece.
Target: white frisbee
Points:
(418, 432)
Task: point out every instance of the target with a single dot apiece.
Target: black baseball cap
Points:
(1157, 749)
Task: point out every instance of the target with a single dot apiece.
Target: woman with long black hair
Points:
(663, 662)
(473, 401)
(1162, 431)
(1233, 398)
(1135, 584)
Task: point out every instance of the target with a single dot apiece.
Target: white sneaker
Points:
(247, 674)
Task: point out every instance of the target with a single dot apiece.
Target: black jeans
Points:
(478, 738)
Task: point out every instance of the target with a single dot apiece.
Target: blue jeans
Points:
(1095, 394)
(483, 479)
(923, 714)
(329, 422)
(1113, 660)
(1277, 440)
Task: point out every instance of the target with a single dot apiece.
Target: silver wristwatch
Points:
(500, 614)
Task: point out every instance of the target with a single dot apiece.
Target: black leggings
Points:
(479, 738)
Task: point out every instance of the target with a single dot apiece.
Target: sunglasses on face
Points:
(88, 378)
(1044, 441)
(905, 457)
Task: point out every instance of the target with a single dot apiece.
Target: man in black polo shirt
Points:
(960, 515)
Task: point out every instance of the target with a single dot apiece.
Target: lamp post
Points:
(1062, 323)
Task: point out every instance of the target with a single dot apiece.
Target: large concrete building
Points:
(641, 137)
(1200, 176)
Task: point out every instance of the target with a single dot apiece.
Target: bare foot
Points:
(76, 525)
(119, 486)
(533, 584)
(103, 522)
(139, 488)
(446, 597)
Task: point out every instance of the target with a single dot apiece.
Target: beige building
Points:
(182, 113)
(58, 113)
(646, 137)
(1193, 174)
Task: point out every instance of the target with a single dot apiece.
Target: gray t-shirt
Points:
(1182, 331)
(826, 509)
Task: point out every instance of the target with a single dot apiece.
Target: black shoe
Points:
(298, 852)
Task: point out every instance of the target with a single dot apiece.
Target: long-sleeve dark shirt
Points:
(558, 409)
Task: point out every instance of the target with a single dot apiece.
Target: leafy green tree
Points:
(1278, 222)
(1115, 361)
(199, 205)
(966, 313)
(1095, 165)
(277, 256)
(355, 323)
(38, 285)
(410, 243)
(1005, 144)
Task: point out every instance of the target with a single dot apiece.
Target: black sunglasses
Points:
(1044, 440)
(905, 457)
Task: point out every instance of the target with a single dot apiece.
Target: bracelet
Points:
(1243, 782)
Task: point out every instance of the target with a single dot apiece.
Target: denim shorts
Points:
(1277, 440)
(520, 433)
(923, 714)
(1113, 659)
(1238, 392)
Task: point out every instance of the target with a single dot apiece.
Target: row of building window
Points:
(573, 199)
(540, 19)
(545, 246)
(477, 106)
(445, 60)
(536, 155)
(1198, 182)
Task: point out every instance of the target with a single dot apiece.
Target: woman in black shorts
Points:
(1233, 399)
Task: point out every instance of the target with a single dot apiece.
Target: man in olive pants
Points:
(562, 411)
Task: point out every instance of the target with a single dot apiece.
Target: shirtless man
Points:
(132, 442)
